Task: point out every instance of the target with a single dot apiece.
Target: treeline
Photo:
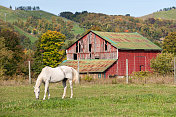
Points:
(27, 8)
(13, 58)
(153, 29)
(168, 9)
(72, 16)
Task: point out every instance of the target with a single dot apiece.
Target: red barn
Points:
(104, 54)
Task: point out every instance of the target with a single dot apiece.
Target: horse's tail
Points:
(75, 76)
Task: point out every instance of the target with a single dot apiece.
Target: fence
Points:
(174, 69)
(145, 66)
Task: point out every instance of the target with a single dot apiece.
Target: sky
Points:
(135, 8)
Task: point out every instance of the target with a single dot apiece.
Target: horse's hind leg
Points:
(65, 88)
(71, 87)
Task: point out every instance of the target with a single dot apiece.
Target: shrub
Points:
(140, 74)
(88, 78)
(163, 63)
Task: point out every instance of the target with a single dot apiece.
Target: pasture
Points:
(90, 99)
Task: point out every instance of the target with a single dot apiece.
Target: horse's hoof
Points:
(43, 99)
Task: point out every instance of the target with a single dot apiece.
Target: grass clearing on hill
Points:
(30, 36)
(90, 100)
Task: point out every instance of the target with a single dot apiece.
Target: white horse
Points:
(54, 75)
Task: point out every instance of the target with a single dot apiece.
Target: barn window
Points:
(79, 47)
(75, 56)
(97, 57)
(90, 46)
(106, 47)
(76, 47)
(99, 75)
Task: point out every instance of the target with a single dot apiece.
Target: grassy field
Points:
(167, 15)
(90, 100)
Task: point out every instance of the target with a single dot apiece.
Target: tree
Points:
(51, 44)
(12, 43)
(5, 56)
(163, 63)
(169, 43)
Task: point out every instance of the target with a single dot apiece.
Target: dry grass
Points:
(151, 79)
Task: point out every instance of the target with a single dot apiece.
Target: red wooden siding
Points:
(111, 71)
(100, 49)
(138, 60)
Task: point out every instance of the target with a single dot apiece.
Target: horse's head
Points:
(37, 92)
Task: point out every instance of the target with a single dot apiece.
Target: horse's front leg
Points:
(65, 88)
(46, 89)
(48, 93)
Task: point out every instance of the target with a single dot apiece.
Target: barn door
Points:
(140, 63)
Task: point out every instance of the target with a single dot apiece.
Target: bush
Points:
(163, 63)
(140, 74)
(140, 77)
(88, 78)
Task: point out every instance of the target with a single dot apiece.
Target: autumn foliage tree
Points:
(163, 63)
(51, 44)
(169, 43)
(11, 45)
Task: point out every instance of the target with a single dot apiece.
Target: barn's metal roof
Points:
(91, 65)
(127, 40)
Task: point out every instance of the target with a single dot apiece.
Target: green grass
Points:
(14, 15)
(77, 30)
(167, 15)
(30, 36)
(90, 100)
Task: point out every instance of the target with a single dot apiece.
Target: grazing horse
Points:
(53, 75)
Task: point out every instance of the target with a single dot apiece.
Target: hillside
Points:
(166, 15)
(153, 29)
(21, 20)
(13, 15)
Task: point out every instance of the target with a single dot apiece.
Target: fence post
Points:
(30, 81)
(127, 71)
(78, 65)
(174, 70)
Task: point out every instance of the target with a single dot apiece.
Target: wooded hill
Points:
(33, 23)
(152, 28)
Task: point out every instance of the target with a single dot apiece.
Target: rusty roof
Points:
(127, 40)
(91, 65)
